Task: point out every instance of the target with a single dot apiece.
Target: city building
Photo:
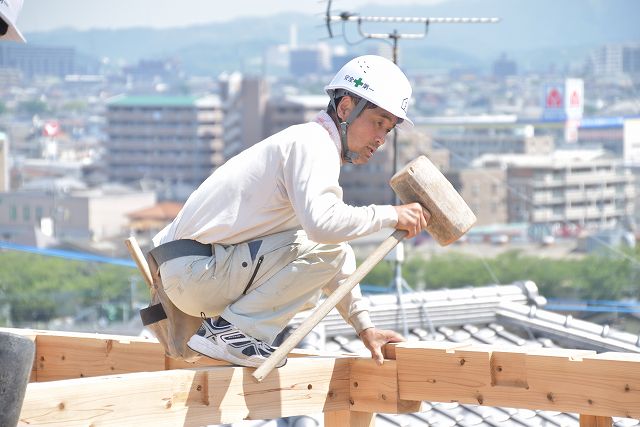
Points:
(34, 60)
(292, 109)
(67, 211)
(467, 138)
(559, 193)
(615, 59)
(172, 142)
(306, 60)
(244, 101)
(504, 67)
(4, 162)
(147, 222)
(631, 141)
(485, 191)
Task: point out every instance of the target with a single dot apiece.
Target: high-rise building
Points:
(615, 59)
(503, 67)
(292, 110)
(485, 191)
(467, 138)
(244, 103)
(172, 141)
(567, 189)
(306, 60)
(33, 60)
(69, 214)
(4, 162)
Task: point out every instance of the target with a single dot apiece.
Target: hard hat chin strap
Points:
(347, 155)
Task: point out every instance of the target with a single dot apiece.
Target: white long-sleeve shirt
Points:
(287, 181)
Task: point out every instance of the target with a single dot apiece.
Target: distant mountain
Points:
(536, 33)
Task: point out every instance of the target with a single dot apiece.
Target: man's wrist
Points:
(365, 329)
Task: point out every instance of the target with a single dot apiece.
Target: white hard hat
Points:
(9, 11)
(377, 80)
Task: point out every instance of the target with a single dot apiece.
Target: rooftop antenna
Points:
(395, 37)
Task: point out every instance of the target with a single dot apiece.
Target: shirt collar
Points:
(325, 120)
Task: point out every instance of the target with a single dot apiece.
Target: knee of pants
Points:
(349, 263)
(336, 258)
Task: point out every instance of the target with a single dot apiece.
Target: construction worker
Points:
(267, 231)
(9, 11)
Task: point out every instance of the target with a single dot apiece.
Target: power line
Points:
(78, 256)
(395, 37)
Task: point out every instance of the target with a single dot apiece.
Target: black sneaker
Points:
(223, 341)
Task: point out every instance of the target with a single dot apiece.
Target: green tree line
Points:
(37, 288)
(613, 276)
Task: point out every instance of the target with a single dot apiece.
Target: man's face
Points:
(4, 27)
(368, 131)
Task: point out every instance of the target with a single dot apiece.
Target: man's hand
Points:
(413, 218)
(374, 339)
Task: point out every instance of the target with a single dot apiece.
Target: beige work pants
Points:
(259, 295)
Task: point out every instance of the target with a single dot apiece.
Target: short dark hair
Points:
(4, 27)
(332, 111)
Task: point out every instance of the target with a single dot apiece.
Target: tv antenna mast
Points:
(395, 37)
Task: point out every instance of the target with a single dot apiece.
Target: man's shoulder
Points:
(308, 127)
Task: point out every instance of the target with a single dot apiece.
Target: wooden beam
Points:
(374, 388)
(598, 386)
(65, 357)
(190, 397)
(348, 418)
(595, 421)
(544, 379)
(69, 355)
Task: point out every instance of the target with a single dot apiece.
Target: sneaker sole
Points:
(207, 348)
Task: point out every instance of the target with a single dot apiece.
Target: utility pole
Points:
(395, 37)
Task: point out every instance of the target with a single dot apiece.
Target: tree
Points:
(40, 288)
(32, 107)
(592, 277)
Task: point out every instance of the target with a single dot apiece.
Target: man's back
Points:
(248, 196)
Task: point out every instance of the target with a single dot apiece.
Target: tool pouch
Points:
(169, 325)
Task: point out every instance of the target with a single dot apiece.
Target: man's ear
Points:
(345, 106)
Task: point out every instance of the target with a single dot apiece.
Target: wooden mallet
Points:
(419, 181)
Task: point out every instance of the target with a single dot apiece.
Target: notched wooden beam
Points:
(190, 397)
(374, 388)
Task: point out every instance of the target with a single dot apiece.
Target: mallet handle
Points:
(345, 287)
(141, 262)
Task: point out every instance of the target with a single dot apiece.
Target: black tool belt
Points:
(187, 247)
(179, 248)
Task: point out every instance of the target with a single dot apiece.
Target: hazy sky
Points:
(43, 15)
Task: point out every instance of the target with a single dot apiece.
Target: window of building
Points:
(13, 213)
(26, 213)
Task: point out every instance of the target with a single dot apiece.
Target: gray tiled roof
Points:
(496, 315)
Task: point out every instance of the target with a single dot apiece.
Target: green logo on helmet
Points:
(357, 82)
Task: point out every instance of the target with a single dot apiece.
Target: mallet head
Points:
(420, 181)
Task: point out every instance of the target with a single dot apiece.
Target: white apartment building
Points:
(575, 189)
(66, 213)
(616, 59)
(244, 101)
(467, 138)
(293, 109)
(174, 141)
(4, 162)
